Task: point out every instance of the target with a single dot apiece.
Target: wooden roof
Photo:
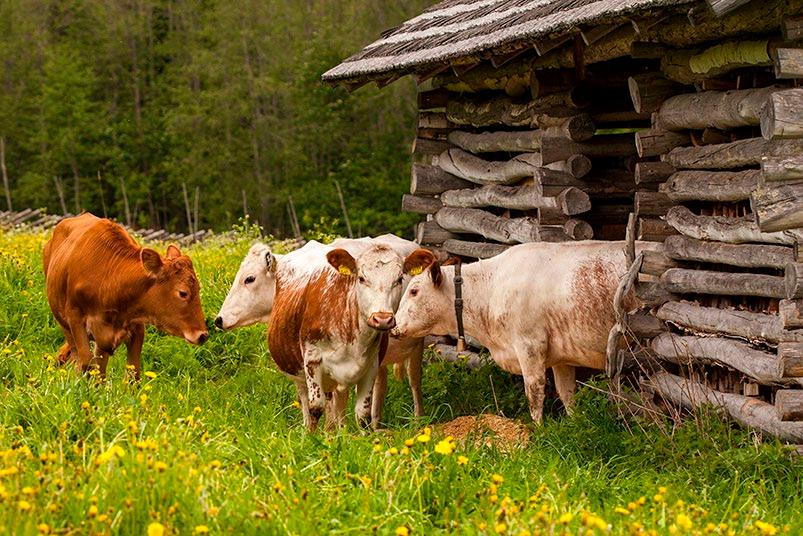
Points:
(457, 28)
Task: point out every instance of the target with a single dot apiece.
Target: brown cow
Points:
(102, 286)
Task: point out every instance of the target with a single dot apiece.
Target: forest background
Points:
(108, 101)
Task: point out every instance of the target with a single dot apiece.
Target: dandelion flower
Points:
(43, 528)
(160, 466)
(462, 460)
(156, 529)
(500, 528)
(150, 374)
(409, 442)
(402, 531)
(683, 521)
(92, 512)
(766, 529)
(405, 451)
(565, 518)
(623, 511)
(24, 506)
(85, 405)
(393, 451)
(444, 447)
(497, 479)
(423, 438)
(201, 529)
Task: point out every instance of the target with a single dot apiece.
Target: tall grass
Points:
(211, 440)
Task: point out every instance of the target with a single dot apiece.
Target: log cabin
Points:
(679, 122)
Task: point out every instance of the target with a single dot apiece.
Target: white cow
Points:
(251, 297)
(534, 306)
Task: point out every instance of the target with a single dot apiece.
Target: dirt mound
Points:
(489, 430)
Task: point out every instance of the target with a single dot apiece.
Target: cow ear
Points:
(436, 274)
(342, 261)
(270, 261)
(173, 252)
(152, 261)
(418, 261)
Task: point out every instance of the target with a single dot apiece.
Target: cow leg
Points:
(134, 349)
(313, 374)
(533, 369)
(364, 399)
(336, 408)
(414, 373)
(80, 338)
(378, 397)
(303, 399)
(565, 384)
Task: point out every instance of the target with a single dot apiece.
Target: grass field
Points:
(211, 441)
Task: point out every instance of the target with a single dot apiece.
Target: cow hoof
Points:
(315, 413)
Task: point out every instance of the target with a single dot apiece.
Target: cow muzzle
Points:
(198, 337)
(219, 322)
(382, 321)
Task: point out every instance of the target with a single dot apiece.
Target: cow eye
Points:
(399, 281)
(362, 279)
(414, 292)
(183, 294)
(250, 279)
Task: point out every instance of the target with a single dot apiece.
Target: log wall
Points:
(699, 148)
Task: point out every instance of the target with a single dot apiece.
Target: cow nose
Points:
(202, 338)
(219, 322)
(383, 321)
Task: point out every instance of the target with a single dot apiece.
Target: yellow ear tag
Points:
(415, 271)
(344, 270)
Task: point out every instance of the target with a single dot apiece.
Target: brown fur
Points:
(102, 286)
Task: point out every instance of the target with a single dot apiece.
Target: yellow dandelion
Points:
(405, 450)
(393, 451)
(377, 448)
(85, 405)
(402, 531)
(366, 482)
(462, 460)
(296, 404)
(444, 447)
(683, 521)
(766, 529)
(423, 438)
(623, 511)
(43, 528)
(201, 529)
(213, 511)
(500, 528)
(150, 374)
(497, 479)
(24, 506)
(160, 466)
(565, 518)
(156, 529)
(102, 518)
(658, 498)
(409, 442)
(28, 490)
(92, 512)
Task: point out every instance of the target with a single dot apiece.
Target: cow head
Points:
(425, 307)
(174, 299)
(250, 299)
(378, 282)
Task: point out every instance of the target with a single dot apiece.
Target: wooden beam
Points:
(793, 275)
(792, 28)
(789, 404)
(504, 230)
(472, 168)
(691, 66)
(750, 412)
(653, 172)
(714, 109)
(432, 180)
(789, 63)
(781, 116)
(430, 233)
(685, 281)
(420, 204)
(782, 169)
(722, 186)
(476, 250)
(790, 359)
(743, 324)
(791, 313)
(778, 207)
(683, 248)
(657, 141)
(724, 229)
(569, 201)
(737, 154)
(649, 90)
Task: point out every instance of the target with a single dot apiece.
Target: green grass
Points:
(215, 440)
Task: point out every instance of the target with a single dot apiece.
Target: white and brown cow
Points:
(250, 301)
(534, 306)
(328, 323)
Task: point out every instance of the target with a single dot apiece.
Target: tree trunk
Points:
(793, 276)
(556, 149)
(578, 229)
(737, 154)
(742, 324)
(790, 359)
(760, 366)
(791, 313)
(432, 180)
(781, 116)
(644, 325)
(714, 109)
(747, 256)
(654, 230)
(656, 142)
(656, 263)
(653, 172)
(692, 185)
(505, 230)
(685, 281)
(423, 147)
(430, 233)
(570, 201)
(477, 250)
(778, 208)
(6, 186)
(724, 229)
(691, 66)
(782, 169)
(789, 404)
(504, 111)
(789, 63)
(652, 203)
(421, 204)
(467, 166)
(649, 90)
(653, 294)
(577, 166)
(578, 127)
(747, 411)
(499, 141)
(126, 207)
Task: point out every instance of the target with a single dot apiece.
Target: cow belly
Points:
(344, 364)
